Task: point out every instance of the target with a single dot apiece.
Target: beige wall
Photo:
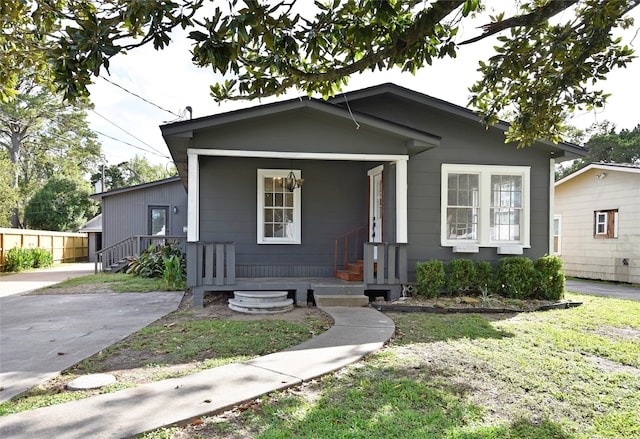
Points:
(584, 255)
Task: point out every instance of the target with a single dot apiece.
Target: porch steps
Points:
(341, 300)
(354, 272)
(117, 267)
(261, 302)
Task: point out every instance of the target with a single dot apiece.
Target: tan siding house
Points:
(597, 222)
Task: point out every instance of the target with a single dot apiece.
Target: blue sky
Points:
(169, 80)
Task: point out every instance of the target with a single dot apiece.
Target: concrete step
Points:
(351, 289)
(341, 300)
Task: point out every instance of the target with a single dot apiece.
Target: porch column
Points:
(552, 195)
(401, 201)
(193, 198)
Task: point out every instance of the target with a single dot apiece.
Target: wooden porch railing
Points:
(385, 263)
(348, 248)
(130, 247)
(211, 263)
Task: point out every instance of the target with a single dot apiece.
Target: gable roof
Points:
(93, 225)
(621, 167)
(571, 149)
(99, 196)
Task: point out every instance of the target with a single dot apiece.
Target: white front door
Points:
(376, 204)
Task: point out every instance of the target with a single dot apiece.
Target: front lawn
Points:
(557, 374)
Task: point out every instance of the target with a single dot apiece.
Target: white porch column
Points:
(193, 198)
(552, 197)
(402, 233)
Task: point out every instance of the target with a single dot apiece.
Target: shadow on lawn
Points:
(368, 404)
(426, 328)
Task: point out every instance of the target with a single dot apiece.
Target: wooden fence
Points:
(64, 246)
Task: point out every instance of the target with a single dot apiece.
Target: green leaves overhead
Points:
(549, 54)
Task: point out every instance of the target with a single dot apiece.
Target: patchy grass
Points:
(177, 345)
(571, 373)
(116, 282)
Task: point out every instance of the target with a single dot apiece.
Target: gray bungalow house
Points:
(346, 195)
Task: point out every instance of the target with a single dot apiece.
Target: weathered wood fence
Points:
(64, 246)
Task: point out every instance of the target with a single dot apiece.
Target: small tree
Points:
(63, 204)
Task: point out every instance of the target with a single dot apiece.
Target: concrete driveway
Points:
(603, 289)
(42, 335)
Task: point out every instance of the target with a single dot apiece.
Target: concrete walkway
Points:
(356, 332)
(21, 283)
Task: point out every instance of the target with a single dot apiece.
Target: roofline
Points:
(446, 106)
(600, 166)
(272, 108)
(100, 195)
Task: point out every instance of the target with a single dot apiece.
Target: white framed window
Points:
(485, 206)
(279, 217)
(557, 237)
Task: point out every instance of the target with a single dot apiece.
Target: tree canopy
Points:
(548, 56)
(130, 173)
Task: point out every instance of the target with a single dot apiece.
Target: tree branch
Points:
(539, 15)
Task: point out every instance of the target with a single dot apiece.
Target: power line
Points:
(122, 129)
(140, 97)
(134, 146)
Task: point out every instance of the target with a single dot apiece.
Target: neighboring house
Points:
(158, 208)
(597, 222)
(399, 176)
(93, 229)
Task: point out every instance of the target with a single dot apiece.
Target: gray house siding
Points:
(126, 213)
(334, 201)
(463, 142)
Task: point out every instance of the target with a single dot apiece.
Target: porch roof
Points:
(179, 135)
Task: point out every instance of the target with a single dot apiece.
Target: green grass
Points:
(118, 282)
(558, 374)
(193, 345)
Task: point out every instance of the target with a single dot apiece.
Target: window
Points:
(485, 205)
(605, 223)
(557, 227)
(158, 216)
(278, 208)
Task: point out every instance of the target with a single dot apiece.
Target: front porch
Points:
(211, 268)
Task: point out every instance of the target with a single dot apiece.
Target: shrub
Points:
(516, 277)
(484, 279)
(173, 275)
(459, 276)
(151, 262)
(429, 278)
(41, 258)
(550, 278)
(18, 259)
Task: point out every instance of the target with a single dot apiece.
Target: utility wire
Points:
(134, 146)
(122, 129)
(140, 97)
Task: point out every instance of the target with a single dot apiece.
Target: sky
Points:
(166, 83)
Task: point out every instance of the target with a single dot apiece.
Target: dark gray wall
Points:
(126, 214)
(334, 201)
(464, 142)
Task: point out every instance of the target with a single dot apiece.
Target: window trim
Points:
(610, 223)
(297, 216)
(484, 173)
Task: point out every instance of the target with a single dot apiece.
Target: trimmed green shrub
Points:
(459, 276)
(429, 278)
(516, 277)
(484, 278)
(18, 259)
(550, 278)
(41, 258)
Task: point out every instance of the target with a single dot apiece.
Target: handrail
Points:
(342, 246)
(127, 248)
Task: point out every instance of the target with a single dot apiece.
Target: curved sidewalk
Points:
(356, 332)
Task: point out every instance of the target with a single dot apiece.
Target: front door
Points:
(376, 204)
(158, 220)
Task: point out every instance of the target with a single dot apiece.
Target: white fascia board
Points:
(299, 155)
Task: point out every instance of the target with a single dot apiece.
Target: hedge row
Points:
(515, 277)
(19, 259)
